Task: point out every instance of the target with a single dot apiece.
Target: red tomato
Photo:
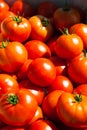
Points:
(41, 28)
(8, 84)
(65, 17)
(16, 28)
(42, 125)
(22, 8)
(12, 56)
(49, 105)
(17, 109)
(46, 5)
(42, 72)
(81, 30)
(37, 91)
(37, 49)
(61, 83)
(68, 45)
(3, 6)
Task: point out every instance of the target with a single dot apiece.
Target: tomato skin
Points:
(81, 30)
(41, 28)
(68, 46)
(4, 6)
(42, 125)
(37, 49)
(42, 72)
(8, 84)
(20, 111)
(14, 30)
(61, 83)
(71, 111)
(65, 18)
(10, 60)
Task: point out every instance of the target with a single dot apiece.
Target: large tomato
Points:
(41, 28)
(72, 110)
(42, 72)
(12, 56)
(4, 6)
(17, 109)
(68, 45)
(8, 84)
(81, 30)
(16, 28)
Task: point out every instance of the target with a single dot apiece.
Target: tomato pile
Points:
(43, 66)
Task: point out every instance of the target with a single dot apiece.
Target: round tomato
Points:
(37, 49)
(68, 45)
(42, 72)
(16, 28)
(81, 30)
(71, 110)
(42, 125)
(3, 6)
(17, 109)
(41, 28)
(12, 56)
(65, 17)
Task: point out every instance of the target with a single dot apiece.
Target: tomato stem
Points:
(78, 97)
(12, 99)
(17, 19)
(4, 44)
(45, 22)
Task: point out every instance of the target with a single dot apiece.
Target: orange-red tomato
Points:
(3, 6)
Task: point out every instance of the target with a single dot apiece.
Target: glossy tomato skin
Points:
(42, 72)
(41, 28)
(68, 46)
(10, 60)
(81, 30)
(42, 125)
(4, 6)
(37, 49)
(17, 109)
(8, 84)
(65, 18)
(16, 28)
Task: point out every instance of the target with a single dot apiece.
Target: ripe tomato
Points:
(42, 125)
(68, 45)
(61, 83)
(12, 56)
(17, 109)
(81, 30)
(3, 6)
(37, 49)
(22, 8)
(72, 110)
(8, 84)
(46, 5)
(16, 28)
(41, 28)
(49, 105)
(38, 92)
(42, 72)
(65, 17)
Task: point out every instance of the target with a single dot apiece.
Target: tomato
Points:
(37, 49)
(3, 6)
(41, 28)
(49, 105)
(42, 72)
(68, 45)
(17, 109)
(37, 91)
(65, 17)
(81, 30)
(81, 89)
(8, 127)
(8, 84)
(46, 5)
(61, 83)
(71, 110)
(16, 28)
(42, 125)
(22, 8)
(12, 56)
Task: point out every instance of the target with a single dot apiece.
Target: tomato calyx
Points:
(65, 31)
(12, 99)
(17, 19)
(45, 22)
(78, 97)
(4, 44)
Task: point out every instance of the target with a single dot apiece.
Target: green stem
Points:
(4, 44)
(45, 22)
(12, 99)
(17, 19)
(78, 97)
